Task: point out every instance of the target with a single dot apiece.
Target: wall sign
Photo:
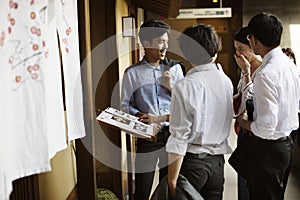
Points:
(204, 13)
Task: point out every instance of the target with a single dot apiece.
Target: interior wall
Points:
(124, 60)
(60, 182)
(287, 11)
(100, 78)
(85, 161)
(225, 27)
(105, 82)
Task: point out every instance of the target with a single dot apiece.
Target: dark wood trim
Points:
(85, 162)
(73, 194)
(130, 167)
(165, 8)
(99, 19)
(26, 188)
(86, 177)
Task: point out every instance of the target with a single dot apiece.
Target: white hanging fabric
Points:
(4, 101)
(5, 132)
(67, 28)
(54, 96)
(5, 185)
(26, 145)
(62, 20)
(32, 122)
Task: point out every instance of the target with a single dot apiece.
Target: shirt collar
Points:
(205, 67)
(274, 52)
(144, 62)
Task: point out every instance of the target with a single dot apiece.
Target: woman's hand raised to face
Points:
(243, 63)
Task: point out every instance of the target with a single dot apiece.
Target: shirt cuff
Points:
(176, 146)
(247, 85)
(133, 111)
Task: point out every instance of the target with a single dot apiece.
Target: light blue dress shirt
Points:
(142, 90)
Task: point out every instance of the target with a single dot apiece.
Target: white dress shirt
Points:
(276, 97)
(246, 92)
(201, 112)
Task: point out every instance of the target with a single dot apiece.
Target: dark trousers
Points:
(243, 192)
(147, 155)
(269, 168)
(205, 174)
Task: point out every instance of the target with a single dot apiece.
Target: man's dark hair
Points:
(200, 43)
(267, 28)
(241, 36)
(151, 29)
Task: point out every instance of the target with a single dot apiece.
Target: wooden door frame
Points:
(96, 23)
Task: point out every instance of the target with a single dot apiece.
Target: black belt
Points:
(163, 134)
(270, 140)
(202, 155)
(164, 129)
(196, 155)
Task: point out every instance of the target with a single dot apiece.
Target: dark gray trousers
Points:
(205, 174)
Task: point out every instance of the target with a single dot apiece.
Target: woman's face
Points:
(243, 49)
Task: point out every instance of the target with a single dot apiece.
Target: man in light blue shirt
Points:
(143, 92)
(146, 93)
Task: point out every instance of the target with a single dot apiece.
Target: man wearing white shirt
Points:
(200, 117)
(276, 101)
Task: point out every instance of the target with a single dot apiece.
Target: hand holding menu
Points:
(128, 123)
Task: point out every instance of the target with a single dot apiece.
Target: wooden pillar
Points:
(86, 175)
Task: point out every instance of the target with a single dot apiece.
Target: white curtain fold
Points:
(32, 122)
(67, 27)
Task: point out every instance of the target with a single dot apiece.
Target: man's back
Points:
(207, 95)
(276, 101)
(280, 83)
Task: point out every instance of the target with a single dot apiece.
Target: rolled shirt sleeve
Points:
(246, 90)
(176, 73)
(276, 97)
(266, 98)
(180, 123)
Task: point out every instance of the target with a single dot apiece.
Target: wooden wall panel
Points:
(165, 8)
(26, 188)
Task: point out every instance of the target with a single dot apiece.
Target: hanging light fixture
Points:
(216, 1)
